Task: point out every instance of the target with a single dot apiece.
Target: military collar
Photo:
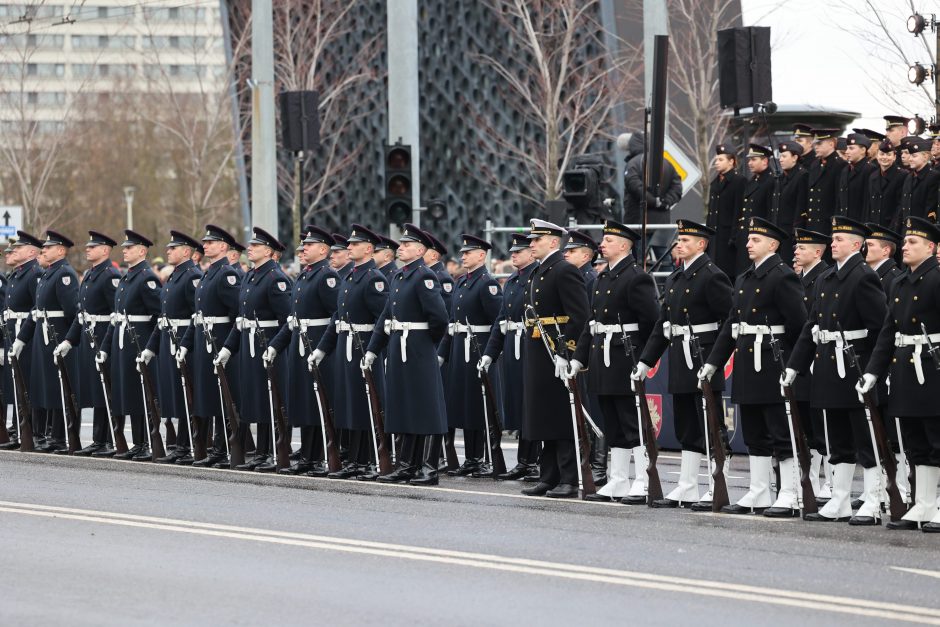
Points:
(137, 267)
(267, 266)
(317, 266)
(438, 266)
(819, 268)
(408, 269)
(183, 267)
(928, 264)
(848, 266)
(361, 271)
(471, 277)
(55, 265)
(627, 262)
(99, 267)
(219, 263)
(523, 273)
(886, 266)
(698, 263)
(770, 262)
(553, 257)
(26, 265)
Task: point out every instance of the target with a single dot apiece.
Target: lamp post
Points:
(129, 201)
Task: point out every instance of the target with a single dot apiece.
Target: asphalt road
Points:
(102, 542)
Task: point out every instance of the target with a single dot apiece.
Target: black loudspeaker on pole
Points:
(655, 137)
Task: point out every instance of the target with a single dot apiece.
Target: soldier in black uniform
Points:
(54, 311)
(411, 326)
(849, 306)
(790, 193)
(901, 349)
(758, 193)
(767, 299)
(885, 184)
(623, 301)
(725, 199)
(700, 293)
(804, 135)
(823, 182)
(810, 265)
(853, 181)
(556, 294)
(177, 306)
(896, 128)
(434, 259)
(95, 305)
(875, 138)
(12, 431)
(339, 256)
(234, 256)
(506, 339)
(385, 256)
(919, 193)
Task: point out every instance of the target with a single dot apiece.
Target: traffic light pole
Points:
(403, 119)
(263, 133)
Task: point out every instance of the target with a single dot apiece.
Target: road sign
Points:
(688, 172)
(11, 219)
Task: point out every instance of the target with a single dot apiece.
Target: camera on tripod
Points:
(588, 190)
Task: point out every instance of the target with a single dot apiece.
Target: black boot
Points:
(426, 475)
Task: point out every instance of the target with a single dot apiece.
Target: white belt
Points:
(19, 316)
(120, 321)
(174, 323)
(209, 322)
(294, 322)
(457, 328)
(821, 336)
(672, 330)
(253, 325)
(505, 326)
(608, 330)
(345, 327)
(93, 319)
(917, 341)
(405, 328)
(44, 316)
(758, 331)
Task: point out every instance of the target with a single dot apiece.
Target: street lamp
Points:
(129, 201)
(918, 73)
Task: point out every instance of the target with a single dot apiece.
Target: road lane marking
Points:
(918, 571)
(701, 587)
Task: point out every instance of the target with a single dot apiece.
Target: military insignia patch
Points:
(66, 280)
(429, 283)
(494, 289)
(195, 282)
(152, 285)
(331, 281)
(115, 282)
(281, 285)
(379, 286)
(232, 279)
(448, 287)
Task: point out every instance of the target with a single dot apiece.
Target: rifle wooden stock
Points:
(497, 459)
(378, 416)
(654, 490)
(116, 422)
(23, 407)
(153, 413)
(720, 483)
(72, 412)
(236, 448)
(198, 444)
(897, 508)
(804, 457)
(282, 437)
(587, 477)
(333, 461)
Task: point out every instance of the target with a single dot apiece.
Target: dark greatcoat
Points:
(789, 204)
(887, 272)
(853, 189)
(725, 197)
(21, 294)
(884, 194)
(919, 196)
(758, 194)
(808, 279)
(95, 298)
(823, 193)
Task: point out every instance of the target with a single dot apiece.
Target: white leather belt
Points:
(404, 328)
(457, 328)
(18, 316)
(682, 330)
(44, 316)
(120, 321)
(345, 327)
(608, 330)
(173, 323)
(208, 322)
(252, 326)
(293, 322)
(92, 319)
(507, 326)
(758, 331)
(917, 341)
(821, 336)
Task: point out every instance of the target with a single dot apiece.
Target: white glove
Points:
(3, 357)
(484, 364)
(315, 358)
(865, 385)
(788, 377)
(62, 349)
(181, 356)
(640, 372)
(222, 358)
(17, 348)
(705, 373)
(440, 361)
(561, 367)
(367, 360)
(574, 367)
(101, 357)
(268, 355)
(145, 356)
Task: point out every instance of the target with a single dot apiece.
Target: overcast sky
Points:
(834, 54)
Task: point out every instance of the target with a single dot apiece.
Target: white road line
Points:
(701, 587)
(918, 571)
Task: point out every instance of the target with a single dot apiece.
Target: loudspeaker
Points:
(744, 72)
(300, 120)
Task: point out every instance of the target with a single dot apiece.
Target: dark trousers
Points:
(689, 421)
(56, 424)
(416, 450)
(891, 428)
(765, 430)
(101, 426)
(849, 438)
(621, 428)
(558, 463)
(474, 441)
(360, 446)
(922, 440)
(139, 429)
(182, 434)
(814, 425)
(39, 422)
(529, 451)
(264, 444)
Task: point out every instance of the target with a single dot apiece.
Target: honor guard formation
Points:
(813, 294)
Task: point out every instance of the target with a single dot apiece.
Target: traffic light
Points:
(398, 204)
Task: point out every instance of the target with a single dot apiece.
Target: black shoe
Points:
(172, 457)
(633, 500)
(251, 463)
(563, 491)
(930, 527)
(369, 473)
(92, 448)
(701, 506)
(107, 451)
(296, 469)
(209, 460)
(402, 474)
(597, 498)
(52, 446)
(864, 521)
(130, 453)
(856, 503)
(781, 512)
(533, 476)
(540, 489)
(296, 456)
(143, 456)
(224, 463)
(468, 467)
(518, 472)
(734, 508)
(817, 517)
(267, 465)
(61, 450)
(318, 469)
(665, 504)
(903, 525)
(426, 475)
(348, 471)
(12, 445)
(185, 460)
(484, 472)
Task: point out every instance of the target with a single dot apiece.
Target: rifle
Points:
(582, 448)
(328, 428)
(151, 406)
(654, 487)
(376, 414)
(879, 438)
(279, 430)
(120, 442)
(24, 412)
(233, 444)
(713, 442)
(71, 414)
(494, 427)
(806, 498)
(198, 448)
